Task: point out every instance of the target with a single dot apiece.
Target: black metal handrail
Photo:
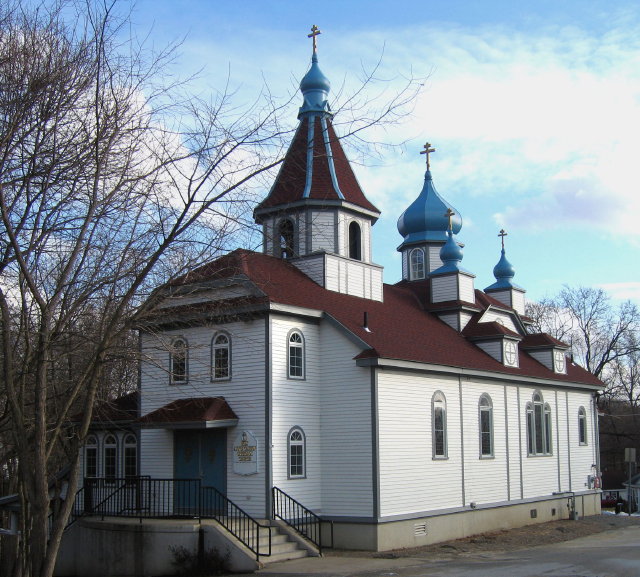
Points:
(239, 523)
(301, 519)
(143, 497)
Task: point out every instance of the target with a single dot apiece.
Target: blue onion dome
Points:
(425, 218)
(315, 88)
(450, 255)
(504, 273)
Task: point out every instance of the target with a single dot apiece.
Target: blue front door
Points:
(199, 455)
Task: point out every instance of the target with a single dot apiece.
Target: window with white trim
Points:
(416, 264)
(178, 361)
(110, 460)
(220, 357)
(582, 426)
(439, 425)
(538, 426)
(355, 241)
(485, 421)
(91, 456)
(295, 355)
(130, 456)
(297, 453)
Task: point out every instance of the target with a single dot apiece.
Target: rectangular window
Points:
(295, 362)
(296, 461)
(110, 463)
(91, 462)
(439, 432)
(130, 462)
(221, 363)
(485, 434)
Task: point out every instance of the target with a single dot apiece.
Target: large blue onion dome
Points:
(315, 88)
(425, 219)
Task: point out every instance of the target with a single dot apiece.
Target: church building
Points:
(402, 414)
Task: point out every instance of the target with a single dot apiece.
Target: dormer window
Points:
(559, 362)
(355, 241)
(416, 263)
(510, 353)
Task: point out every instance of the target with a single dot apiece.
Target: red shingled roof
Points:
(399, 327)
(196, 410)
(542, 340)
(290, 183)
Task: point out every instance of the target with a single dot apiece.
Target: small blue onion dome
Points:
(315, 88)
(504, 273)
(425, 218)
(450, 255)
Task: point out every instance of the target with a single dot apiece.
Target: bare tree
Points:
(600, 334)
(111, 182)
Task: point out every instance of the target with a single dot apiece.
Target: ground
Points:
(511, 540)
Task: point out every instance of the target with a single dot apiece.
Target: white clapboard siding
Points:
(582, 456)
(493, 348)
(516, 442)
(486, 479)
(444, 288)
(313, 266)
(353, 277)
(467, 293)
(245, 393)
(410, 479)
(504, 319)
(434, 257)
(545, 357)
(295, 403)
(323, 231)
(347, 449)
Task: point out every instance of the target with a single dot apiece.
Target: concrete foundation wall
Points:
(128, 548)
(429, 529)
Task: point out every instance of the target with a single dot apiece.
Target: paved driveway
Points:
(610, 554)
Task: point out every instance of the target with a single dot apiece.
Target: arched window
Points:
(416, 263)
(110, 457)
(296, 355)
(439, 425)
(285, 235)
(297, 453)
(179, 361)
(91, 456)
(130, 461)
(220, 357)
(485, 410)
(355, 241)
(538, 426)
(582, 426)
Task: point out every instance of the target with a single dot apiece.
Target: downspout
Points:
(268, 469)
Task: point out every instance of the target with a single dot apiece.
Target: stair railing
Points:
(301, 519)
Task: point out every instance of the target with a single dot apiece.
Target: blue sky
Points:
(533, 107)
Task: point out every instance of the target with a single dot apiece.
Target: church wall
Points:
(515, 442)
(323, 231)
(486, 478)
(353, 277)
(295, 403)
(434, 257)
(244, 392)
(582, 456)
(410, 478)
(518, 301)
(347, 443)
(313, 267)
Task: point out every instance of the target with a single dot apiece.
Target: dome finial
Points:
(502, 234)
(428, 149)
(315, 31)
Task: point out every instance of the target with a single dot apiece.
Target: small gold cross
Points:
(449, 214)
(428, 149)
(315, 31)
(502, 234)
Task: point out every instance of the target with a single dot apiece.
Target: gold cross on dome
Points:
(315, 31)
(428, 149)
(449, 214)
(502, 234)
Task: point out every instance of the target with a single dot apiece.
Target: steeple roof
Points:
(315, 168)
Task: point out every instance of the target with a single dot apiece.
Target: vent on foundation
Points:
(553, 512)
(534, 513)
(420, 529)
